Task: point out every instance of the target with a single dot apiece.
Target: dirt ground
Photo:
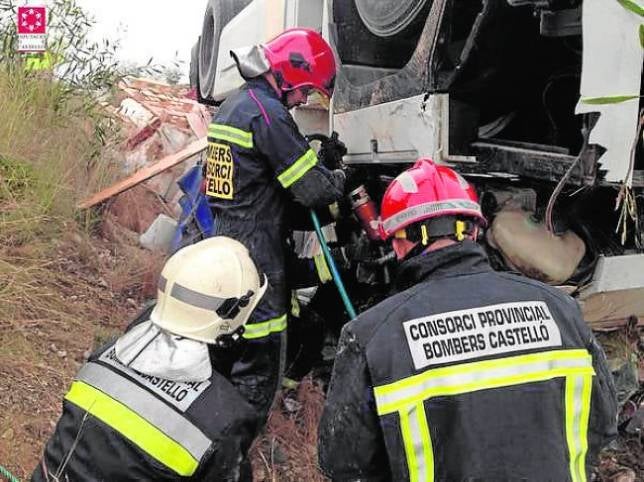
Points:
(105, 280)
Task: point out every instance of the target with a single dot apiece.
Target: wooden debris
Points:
(146, 173)
(143, 133)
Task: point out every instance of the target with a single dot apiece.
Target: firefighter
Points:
(157, 404)
(258, 163)
(465, 373)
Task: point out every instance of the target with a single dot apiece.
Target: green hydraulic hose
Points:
(334, 271)
(8, 475)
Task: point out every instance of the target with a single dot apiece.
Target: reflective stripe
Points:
(469, 377)
(426, 439)
(300, 167)
(193, 298)
(196, 299)
(140, 417)
(578, 388)
(231, 134)
(265, 328)
(413, 425)
(408, 441)
(407, 397)
(421, 211)
(322, 268)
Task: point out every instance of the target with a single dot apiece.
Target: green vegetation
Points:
(53, 129)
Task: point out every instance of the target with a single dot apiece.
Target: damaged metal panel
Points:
(612, 65)
(413, 129)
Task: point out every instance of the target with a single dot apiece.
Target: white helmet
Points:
(208, 290)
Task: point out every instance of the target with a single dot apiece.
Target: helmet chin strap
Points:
(229, 339)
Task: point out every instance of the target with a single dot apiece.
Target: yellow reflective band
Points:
(583, 424)
(408, 396)
(408, 442)
(469, 377)
(300, 167)
(400, 234)
(133, 427)
(322, 268)
(265, 328)
(417, 443)
(231, 134)
(577, 401)
(426, 439)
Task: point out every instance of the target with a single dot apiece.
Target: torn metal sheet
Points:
(612, 66)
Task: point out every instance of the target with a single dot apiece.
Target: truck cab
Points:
(536, 102)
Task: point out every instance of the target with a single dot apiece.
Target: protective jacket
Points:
(257, 165)
(119, 425)
(467, 374)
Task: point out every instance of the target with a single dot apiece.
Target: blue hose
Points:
(8, 475)
(334, 271)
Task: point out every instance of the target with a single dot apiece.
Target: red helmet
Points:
(300, 57)
(427, 191)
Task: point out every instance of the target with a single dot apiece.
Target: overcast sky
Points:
(148, 28)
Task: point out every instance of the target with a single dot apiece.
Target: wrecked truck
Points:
(537, 103)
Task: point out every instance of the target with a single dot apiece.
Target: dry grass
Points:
(287, 452)
(60, 289)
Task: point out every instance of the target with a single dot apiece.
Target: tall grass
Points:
(48, 155)
(55, 141)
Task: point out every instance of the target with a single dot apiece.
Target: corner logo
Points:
(32, 29)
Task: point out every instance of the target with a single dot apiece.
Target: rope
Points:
(8, 475)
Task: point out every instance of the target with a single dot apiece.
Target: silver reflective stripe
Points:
(413, 213)
(476, 376)
(577, 399)
(420, 460)
(139, 400)
(195, 298)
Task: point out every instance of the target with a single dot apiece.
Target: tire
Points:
(367, 35)
(218, 14)
(389, 18)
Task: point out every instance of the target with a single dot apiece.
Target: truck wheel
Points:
(218, 14)
(388, 18)
(378, 33)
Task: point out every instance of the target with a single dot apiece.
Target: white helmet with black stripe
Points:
(207, 291)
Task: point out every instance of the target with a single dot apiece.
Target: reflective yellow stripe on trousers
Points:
(407, 397)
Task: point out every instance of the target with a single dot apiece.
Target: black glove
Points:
(331, 151)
